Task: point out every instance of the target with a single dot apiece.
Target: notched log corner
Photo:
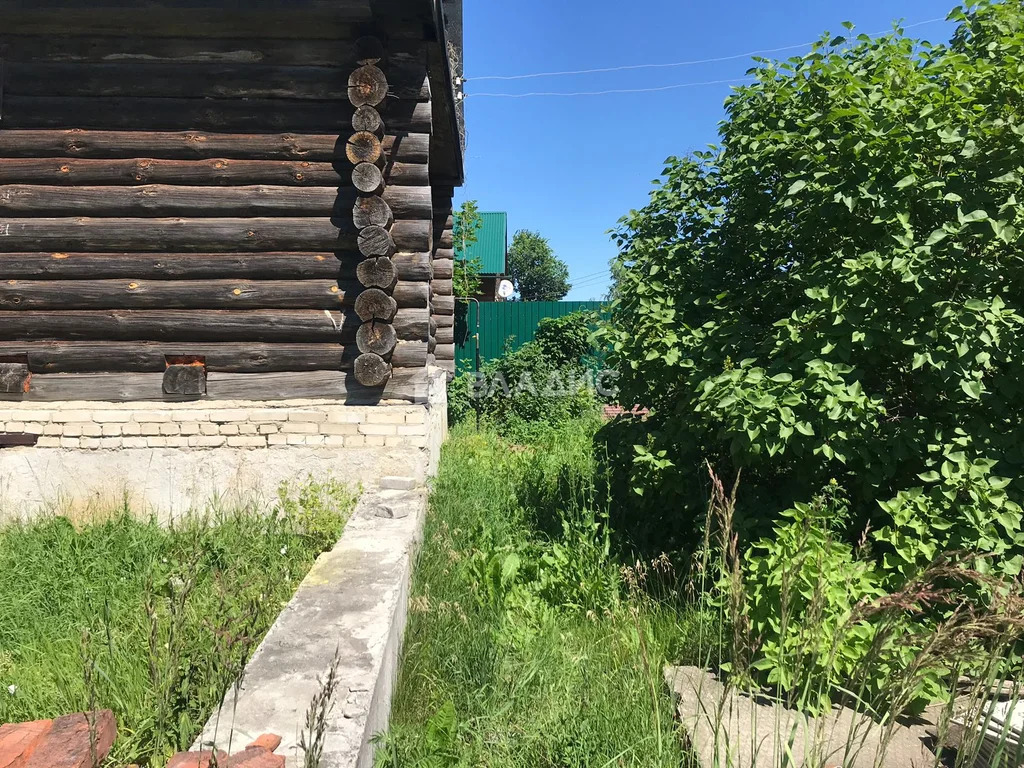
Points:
(185, 376)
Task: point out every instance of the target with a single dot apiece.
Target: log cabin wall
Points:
(246, 193)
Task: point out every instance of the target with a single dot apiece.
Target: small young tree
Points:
(538, 274)
(466, 272)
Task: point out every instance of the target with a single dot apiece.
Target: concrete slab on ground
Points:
(749, 733)
(354, 602)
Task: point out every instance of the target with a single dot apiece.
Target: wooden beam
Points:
(161, 200)
(100, 235)
(26, 295)
(170, 114)
(269, 326)
(151, 356)
(170, 21)
(136, 79)
(415, 267)
(212, 172)
(195, 144)
(306, 52)
(408, 385)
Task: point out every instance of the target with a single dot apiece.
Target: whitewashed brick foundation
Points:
(114, 426)
(175, 456)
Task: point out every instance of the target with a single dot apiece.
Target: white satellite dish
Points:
(506, 289)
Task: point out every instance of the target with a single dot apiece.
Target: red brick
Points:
(268, 741)
(67, 744)
(255, 757)
(197, 759)
(19, 740)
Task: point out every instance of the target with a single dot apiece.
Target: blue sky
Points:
(570, 167)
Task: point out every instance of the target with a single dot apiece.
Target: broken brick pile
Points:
(85, 740)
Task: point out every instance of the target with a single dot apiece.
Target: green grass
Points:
(528, 643)
(150, 621)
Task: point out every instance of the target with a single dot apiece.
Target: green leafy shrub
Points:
(544, 383)
(835, 293)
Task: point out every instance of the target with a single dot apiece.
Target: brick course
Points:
(249, 426)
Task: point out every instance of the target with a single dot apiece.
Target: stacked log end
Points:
(442, 314)
(376, 338)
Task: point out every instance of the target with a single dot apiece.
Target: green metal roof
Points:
(491, 245)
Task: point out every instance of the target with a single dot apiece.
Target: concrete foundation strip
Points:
(353, 601)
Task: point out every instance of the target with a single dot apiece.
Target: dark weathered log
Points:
(209, 326)
(372, 370)
(409, 203)
(215, 172)
(367, 86)
(24, 295)
(411, 235)
(161, 200)
(193, 144)
(256, 266)
(210, 114)
(445, 335)
(412, 294)
(364, 147)
(374, 304)
(368, 119)
(444, 321)
(371, 211)
(183, 50)
(444, 254)
(409, 385)
(444, 352)
(445, 241)
(444, 305)
(367, 178)
(185, 380)
(377, 337)
(102, 235)
(377, 273)
(406, 174)
(409, 354)
(328, 22)
(139, 79)
(442, 287)
(376, 241)
(405, 203)
(173, 294)
(444, 269)
(91, 357)
(412, 267)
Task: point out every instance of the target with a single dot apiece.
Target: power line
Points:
(614, 90)
(678, 63)
(602, 273)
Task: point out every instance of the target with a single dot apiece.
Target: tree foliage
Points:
(466, 271)
(836, 292)
(538, 274)
(543, 383)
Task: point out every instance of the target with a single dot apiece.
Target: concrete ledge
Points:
(354, 601)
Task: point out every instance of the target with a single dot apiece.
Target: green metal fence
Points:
(511, 322)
